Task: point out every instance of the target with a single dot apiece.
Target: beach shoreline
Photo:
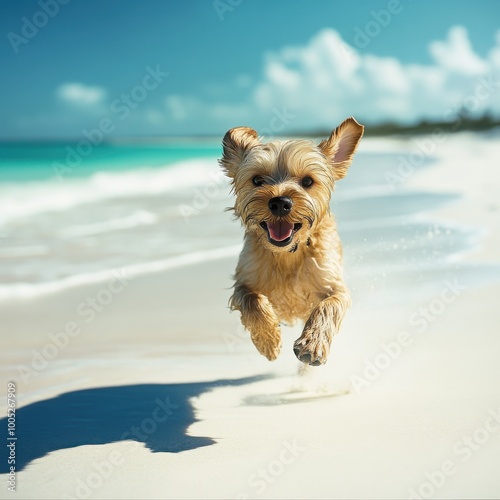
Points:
(380, 419)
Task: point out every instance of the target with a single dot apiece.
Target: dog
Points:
(290, 267)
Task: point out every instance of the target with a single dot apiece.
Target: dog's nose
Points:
(280, 205)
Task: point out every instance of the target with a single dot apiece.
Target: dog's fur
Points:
(281, 278)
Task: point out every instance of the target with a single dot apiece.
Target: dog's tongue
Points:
(280, 230)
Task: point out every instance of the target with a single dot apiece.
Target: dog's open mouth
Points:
(280, 232)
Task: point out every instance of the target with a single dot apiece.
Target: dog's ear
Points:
(340, 147)
(236, 143)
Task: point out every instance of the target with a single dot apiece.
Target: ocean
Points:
(70, 216)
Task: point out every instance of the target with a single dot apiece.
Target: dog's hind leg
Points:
(259, 318)
(313, 346)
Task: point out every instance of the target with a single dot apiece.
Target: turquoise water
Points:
(150, 204)
(24, 161)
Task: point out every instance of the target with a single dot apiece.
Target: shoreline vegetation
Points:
(462, 123)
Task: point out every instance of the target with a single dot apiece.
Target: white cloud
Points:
(178, 106)
(243, 81)
(78, 93)
(456, 54)
(154, 116)
(326, 80)
(202, 115)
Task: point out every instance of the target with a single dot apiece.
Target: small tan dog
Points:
(290, 266)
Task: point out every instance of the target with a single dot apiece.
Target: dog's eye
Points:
(307, 182)
(258, 180)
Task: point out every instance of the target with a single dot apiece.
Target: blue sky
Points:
(284, 65)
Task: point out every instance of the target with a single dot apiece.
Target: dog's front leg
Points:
(313, 346)
(259, 318)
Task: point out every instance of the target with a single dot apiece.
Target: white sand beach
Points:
(139, 383)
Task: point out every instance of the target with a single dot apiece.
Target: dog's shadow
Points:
(155, 414)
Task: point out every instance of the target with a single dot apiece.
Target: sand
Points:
(162, 395)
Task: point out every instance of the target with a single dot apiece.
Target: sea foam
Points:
(17, 291)
(20, 200)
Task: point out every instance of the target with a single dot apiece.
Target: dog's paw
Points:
(268, 343)
(312, 349)
(271, 352)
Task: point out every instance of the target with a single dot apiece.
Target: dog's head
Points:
(283, 188)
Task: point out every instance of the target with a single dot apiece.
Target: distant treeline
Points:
(462, 122)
